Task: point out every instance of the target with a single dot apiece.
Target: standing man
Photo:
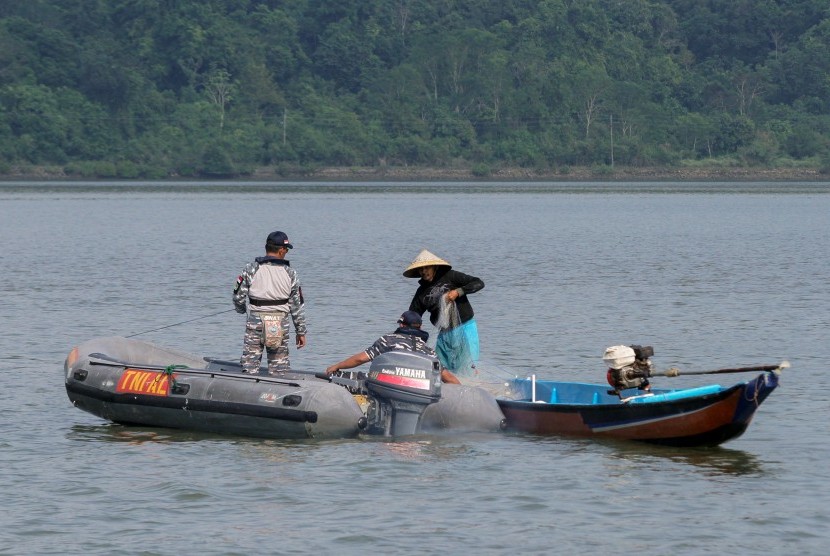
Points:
(269, 290)
(443, 292)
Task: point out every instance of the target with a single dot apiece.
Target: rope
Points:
(168, 372)
(178, 323)
(756, 387)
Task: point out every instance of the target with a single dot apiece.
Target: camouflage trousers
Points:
(254, 344)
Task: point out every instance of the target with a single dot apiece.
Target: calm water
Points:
(711, 275)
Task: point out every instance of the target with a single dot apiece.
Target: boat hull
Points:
(463, 408)
(139, 383)
(707, 419)
(205, 396)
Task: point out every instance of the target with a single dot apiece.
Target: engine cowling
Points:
(401, 385)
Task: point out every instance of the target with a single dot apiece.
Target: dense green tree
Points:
(802, 73)
(150, 88)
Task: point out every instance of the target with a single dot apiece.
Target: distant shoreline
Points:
(423, 173)
(572, 174)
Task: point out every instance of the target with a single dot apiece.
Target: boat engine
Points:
(401, 384)
(628, 367)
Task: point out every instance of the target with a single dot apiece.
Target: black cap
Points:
(410, 318)
(279, 239)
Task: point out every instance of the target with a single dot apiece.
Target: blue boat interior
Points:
(577, 393)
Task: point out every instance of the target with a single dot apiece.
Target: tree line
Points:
(157, 88)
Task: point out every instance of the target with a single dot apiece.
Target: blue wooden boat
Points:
(704, 416)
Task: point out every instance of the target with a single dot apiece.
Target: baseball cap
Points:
(410, 318)
(279, 239)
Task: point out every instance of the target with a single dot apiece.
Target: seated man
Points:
(407, 337)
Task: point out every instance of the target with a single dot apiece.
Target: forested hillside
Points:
(156, 88)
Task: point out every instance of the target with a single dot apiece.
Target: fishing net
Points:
(458, 349)
(457, 345)
(448, 316)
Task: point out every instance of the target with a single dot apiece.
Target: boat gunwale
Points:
(542, 405)
(221, 373)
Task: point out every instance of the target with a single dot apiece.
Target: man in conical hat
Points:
(443, 292)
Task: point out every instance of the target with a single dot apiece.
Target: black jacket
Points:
(428, 295)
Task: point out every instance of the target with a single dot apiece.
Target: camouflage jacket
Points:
(292, 302)
(402, 339)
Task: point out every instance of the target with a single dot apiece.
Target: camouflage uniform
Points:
(402, 339)
(268, 287)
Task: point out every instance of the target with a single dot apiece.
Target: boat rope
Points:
(754, 398)
(168, 372)
(178, 323)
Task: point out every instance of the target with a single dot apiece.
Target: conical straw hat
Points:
(424, 258)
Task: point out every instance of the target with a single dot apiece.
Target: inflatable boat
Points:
(133, 382)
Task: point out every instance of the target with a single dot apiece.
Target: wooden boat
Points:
(704, 416)
(139, 383)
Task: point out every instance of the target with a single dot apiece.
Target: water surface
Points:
(710, 274)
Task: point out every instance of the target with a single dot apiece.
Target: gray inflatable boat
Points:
(133, 382)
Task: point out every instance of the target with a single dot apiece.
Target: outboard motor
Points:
(401, 385)
(628, 367)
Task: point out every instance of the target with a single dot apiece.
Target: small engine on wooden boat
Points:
(628, 367)
(401, 386)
